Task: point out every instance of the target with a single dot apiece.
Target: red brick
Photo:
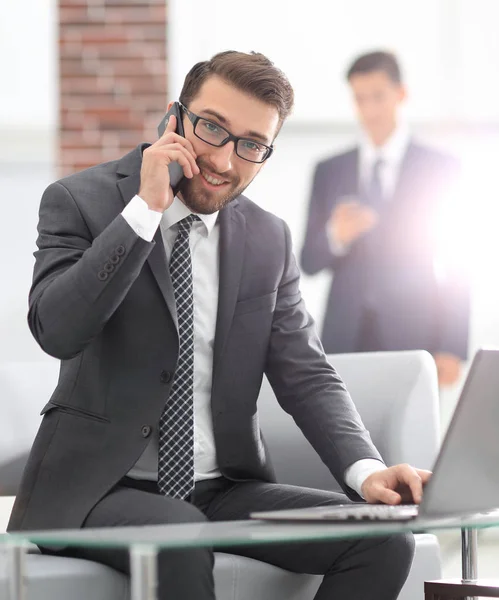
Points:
(111, 49)
(135, 15)
(113, 80)
(78, 15)
(96, 34)
(71, 3)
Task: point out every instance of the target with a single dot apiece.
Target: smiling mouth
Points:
(212, 180)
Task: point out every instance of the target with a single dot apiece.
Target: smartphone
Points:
(175, 170)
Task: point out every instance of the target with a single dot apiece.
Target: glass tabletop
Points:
(230, 533)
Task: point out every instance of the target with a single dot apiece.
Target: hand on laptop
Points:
(400, 483)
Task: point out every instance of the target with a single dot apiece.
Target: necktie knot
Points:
(184, 225)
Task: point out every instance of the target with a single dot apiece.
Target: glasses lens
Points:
(210, 132)
(251, 150)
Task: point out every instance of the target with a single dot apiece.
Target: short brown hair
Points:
(251, 73)
(376, 61)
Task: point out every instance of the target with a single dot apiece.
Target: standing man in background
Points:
(372, 220)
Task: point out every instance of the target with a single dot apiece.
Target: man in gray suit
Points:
(166, 312)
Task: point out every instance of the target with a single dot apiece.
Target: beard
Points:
(205, 202)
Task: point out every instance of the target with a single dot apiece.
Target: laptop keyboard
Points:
(368, 512)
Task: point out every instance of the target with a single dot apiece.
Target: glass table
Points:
(144, 542)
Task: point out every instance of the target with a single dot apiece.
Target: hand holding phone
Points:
(166, 163)
(350, 220)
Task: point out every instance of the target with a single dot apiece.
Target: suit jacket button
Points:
(165, 376)
(145, 430)
(120, 250)
(102, 275)
(108, 267)
(115, 259)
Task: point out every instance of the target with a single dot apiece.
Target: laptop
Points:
(465, 478)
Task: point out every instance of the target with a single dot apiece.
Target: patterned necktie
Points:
(176, 425)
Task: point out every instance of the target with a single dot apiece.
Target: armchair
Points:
(396, 395)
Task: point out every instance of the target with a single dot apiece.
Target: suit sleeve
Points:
(78, 281)
(307, 386)
(317, 253)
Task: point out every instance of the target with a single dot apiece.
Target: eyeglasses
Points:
(216, 135)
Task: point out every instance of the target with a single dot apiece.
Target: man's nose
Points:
(221, 158)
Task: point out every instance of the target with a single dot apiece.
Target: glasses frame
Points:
(194, 119)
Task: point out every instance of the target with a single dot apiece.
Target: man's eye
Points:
(211, 127)
(252, 146)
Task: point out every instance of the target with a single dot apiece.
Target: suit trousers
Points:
(372, 569)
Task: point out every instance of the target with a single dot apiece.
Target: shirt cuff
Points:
(357, 473)
(141, 218)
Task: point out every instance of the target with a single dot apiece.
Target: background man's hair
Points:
(376, 61)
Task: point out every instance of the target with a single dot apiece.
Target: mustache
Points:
(203, 165)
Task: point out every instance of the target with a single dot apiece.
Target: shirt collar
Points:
(178, 211)
(391, 152)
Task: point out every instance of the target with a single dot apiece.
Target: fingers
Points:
(174, 152)
(416, 487)
(185, 160)
(170, 126)
(171, 136)
(413, 480)
(386, 495)
(356, 214)
(424, 474)
(355, 208)
(396, 484)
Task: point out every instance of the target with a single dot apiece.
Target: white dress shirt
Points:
(391, 154)
(203, 243)
(204, 246)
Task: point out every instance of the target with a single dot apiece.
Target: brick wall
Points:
(112, 78)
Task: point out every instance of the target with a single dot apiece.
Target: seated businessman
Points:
(166, 311)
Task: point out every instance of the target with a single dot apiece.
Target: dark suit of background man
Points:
(372, 219)
(166, 312)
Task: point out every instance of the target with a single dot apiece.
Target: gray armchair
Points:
(396, 394)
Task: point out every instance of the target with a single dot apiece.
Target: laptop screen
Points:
(466, 473)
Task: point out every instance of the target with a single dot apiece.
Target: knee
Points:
(185, 512)
(400, 550)
(173, 512)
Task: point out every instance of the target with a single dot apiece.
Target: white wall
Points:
(28, 88)
(448, 48)
(452, 83)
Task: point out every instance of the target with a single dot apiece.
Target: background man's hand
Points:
(400, 483)
(350, 220)
(448, 368)
(155, 187)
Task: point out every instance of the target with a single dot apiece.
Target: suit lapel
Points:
(351, 174)
(129, 169)
(232, 246)
(159, 267)
(345, 179)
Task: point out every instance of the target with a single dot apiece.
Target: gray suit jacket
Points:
(103, 303)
